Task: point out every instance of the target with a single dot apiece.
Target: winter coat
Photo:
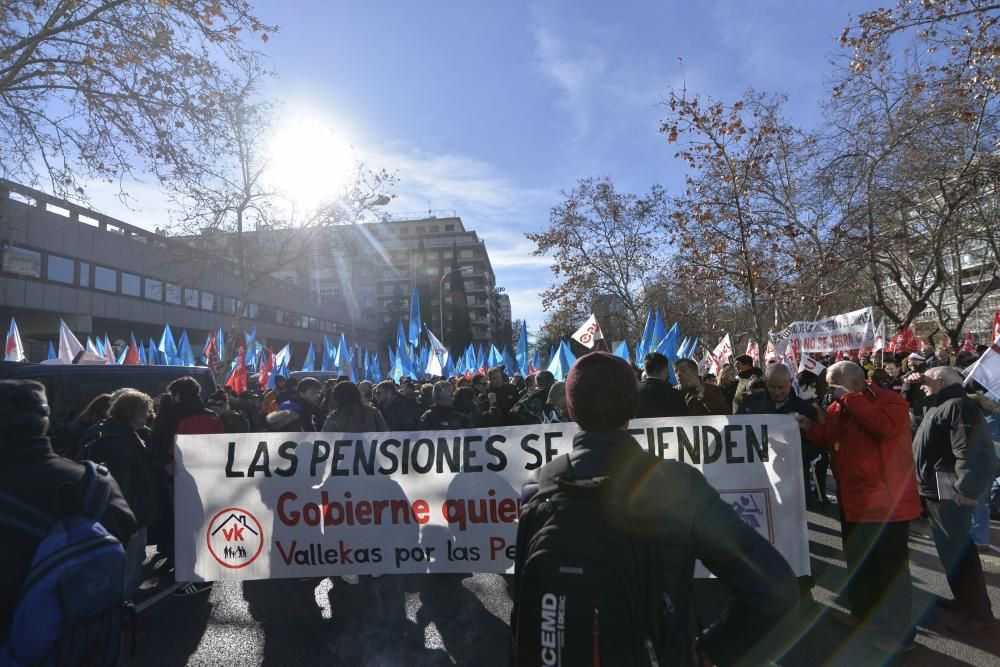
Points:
(355, 418)
(743, 386)
(692, 523)
(128, 460)
(443, 418)
(710, 401)
(954, 438)
(530, 408)
(658, 399)
(34, 474)
(762, 404)
(400, 414)
(868, 436)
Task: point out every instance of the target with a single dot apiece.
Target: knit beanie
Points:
(601, 392)
(24, 409)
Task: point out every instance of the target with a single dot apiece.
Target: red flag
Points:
(910, 341)
(266, 366)
(132, 355)
(996, 326)
(969, 345)
(211, 353)
(237, 380)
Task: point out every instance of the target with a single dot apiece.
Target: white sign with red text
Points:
(279, 505)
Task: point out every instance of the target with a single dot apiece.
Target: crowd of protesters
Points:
(891, 428)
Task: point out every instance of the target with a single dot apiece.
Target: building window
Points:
(229, 305)
(420, 230)
(60, 269)
(173, 294)
(190, 297)
(207, 301)
(435, 228)
(254, 311)
(105, 279)
(465, 254)
(388, 289)
(449, 228)
(22, 262)
(131, 284)
(153, 290)
(403, 231)
(84, 274)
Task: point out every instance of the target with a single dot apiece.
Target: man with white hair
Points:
(867, 431)
(780, 398)
(442, 416)
(955, 466)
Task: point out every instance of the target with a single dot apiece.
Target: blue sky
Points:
(493, 108)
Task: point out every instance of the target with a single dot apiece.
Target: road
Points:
(462, 620)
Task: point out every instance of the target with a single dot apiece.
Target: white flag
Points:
(588, 334)
(753, 351)
(437, 360)
(986, 371)
(807, 363)
(722, 354)
(879, 336)
(69, 346)
(109, 352)
(14, 350)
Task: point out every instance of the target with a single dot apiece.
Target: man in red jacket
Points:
(867, 432)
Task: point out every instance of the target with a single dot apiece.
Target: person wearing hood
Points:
(35, 475)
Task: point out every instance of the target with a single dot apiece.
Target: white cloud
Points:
(597, 74)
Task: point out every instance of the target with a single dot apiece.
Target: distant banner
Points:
(839, 333)
(278, 505)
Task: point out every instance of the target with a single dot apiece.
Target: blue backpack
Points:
(70, 608)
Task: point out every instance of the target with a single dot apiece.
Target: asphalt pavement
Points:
(418, 620)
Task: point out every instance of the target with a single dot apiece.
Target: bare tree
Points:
(90, 88)
(603, 242)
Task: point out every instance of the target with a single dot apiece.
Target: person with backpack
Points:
(607, 543)
(44, 512)
(120, 448)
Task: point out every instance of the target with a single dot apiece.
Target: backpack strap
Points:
(23, 517)
(550, 474)
(96, 490)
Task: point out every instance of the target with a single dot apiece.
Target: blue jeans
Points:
(981, 523)
(135, 554)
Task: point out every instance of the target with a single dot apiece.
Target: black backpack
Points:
(589, 581)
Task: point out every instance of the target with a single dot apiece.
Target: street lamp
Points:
(441, 295)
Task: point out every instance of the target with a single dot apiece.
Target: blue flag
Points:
(415, 326)
(509, 364)
(167, 347)
(621, 350)
(52, 352)
(659, 332)
(185, 355)
(522, 350)
(344, 363)
(642, 348)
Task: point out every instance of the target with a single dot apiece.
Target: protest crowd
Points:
(901, 432)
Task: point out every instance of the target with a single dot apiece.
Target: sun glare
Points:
(310, 162)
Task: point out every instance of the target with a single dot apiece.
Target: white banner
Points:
(839, 333)
(279, 505)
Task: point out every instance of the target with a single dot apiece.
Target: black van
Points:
(70, 387)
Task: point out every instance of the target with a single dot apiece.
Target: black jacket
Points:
(761, 404)
(131, 464)
(33, 473)
(953, 437)
(443, 418)
(658, 399)
(696, 524)
(400, 414)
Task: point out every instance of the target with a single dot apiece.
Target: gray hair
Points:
(777, 370)
(946, 373)
(557, 391)
(846, 369)
(443, 392)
